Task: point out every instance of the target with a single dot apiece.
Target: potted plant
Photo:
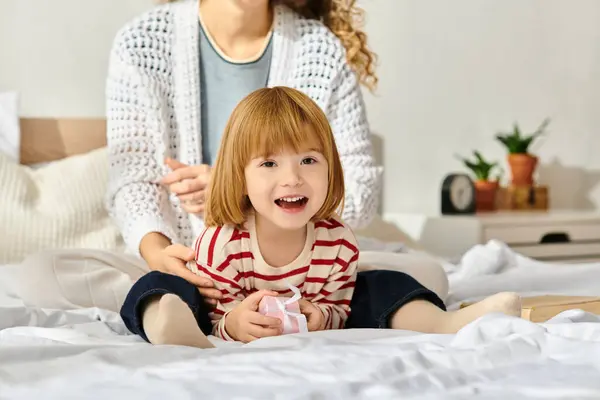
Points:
(486, 188)
(522, 163)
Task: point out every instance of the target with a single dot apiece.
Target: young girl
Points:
(271, 216)
(271, 221)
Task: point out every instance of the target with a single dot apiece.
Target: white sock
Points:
(169, 320)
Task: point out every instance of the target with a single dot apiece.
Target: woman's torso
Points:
(163, 45)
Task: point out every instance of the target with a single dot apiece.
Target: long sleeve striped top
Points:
(325, 271)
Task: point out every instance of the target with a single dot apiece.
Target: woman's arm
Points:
(348, 120)
(135, 127)
(151, 247)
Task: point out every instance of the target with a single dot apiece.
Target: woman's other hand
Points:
(189, 183)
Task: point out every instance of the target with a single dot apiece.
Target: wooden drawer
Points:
(558, 252)
(562, 236)
(556, 242)
(544, 234)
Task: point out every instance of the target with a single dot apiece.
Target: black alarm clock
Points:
(458, 195)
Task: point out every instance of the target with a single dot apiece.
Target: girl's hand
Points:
(314, 317)
(245, 324)
(189, 183)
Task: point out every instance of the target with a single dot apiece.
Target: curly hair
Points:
(344, 18)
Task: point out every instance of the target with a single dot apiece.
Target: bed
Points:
(88, 353)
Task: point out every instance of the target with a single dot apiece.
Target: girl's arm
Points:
(334, 298)
(348, 119)
(217, 258)
(232, 293)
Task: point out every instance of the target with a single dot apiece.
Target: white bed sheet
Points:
(494, 267)
(89, 354)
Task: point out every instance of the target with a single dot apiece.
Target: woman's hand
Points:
(245, 324)
(189, 183)
(172, 259)
(315, 319)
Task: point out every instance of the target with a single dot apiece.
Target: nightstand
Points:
(553, 236)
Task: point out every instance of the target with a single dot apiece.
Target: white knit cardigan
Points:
(153, 112)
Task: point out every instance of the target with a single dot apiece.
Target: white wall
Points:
(455, 72)
(452, 74)
(55, 52)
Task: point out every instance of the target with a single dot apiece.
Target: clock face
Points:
(461, 192)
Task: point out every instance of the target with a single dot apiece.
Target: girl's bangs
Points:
(276, 131)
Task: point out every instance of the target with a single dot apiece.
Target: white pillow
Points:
(60, 205)
(10, 134)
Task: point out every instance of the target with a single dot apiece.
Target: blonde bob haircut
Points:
(265, 123)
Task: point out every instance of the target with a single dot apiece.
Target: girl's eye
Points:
(308, 161)
(268, 164)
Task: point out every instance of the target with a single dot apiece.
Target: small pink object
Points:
(287, 310)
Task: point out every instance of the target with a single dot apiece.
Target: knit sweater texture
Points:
(153, 112)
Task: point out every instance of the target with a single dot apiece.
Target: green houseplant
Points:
(522, 163)
(486, 187)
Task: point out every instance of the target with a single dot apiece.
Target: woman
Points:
(175, 74)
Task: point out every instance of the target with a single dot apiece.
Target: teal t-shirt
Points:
(223, 84)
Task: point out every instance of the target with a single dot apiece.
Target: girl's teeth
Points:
(291, 199)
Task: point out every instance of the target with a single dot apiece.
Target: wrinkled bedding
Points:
(88, 353)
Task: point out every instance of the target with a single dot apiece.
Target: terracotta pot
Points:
(485, 195)
(522, 167)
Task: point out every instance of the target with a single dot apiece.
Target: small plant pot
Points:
(485, 195)
(522, 167)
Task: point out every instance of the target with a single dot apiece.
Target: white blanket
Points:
(494, 267)
(89, 354)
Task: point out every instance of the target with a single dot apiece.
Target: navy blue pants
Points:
(378, 294)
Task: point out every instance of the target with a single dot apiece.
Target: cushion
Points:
(57, 206)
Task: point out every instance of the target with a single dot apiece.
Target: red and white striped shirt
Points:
(325, 271)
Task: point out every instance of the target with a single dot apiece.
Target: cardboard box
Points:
(542, 308)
